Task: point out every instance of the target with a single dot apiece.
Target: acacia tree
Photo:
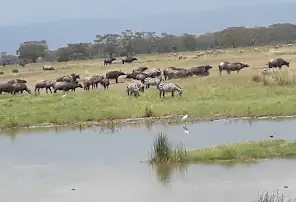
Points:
(108, 43)
(31, 50)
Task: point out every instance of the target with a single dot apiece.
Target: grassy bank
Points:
(232, 95)
(238, 152)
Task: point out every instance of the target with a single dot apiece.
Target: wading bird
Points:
(184, 117)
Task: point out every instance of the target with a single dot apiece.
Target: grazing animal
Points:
(47, 67)
(169, 87)
(6, 87)
(16, 81)
(68, 78)
(176, 74)
(140, 69)
(137, 75)
(228, 67)
(149, 81)
(20, 87)
(153, 72)
(114, 75)
(128, 59)
(133, 88)
(201, 70)
(109, 61)
(172, 72)
(140, 84)
(105, 83)
(279, 62)
(92, 81)
(44, 84)
(66, 86)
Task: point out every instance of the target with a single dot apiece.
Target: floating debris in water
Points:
(286, 187)
(73, 189)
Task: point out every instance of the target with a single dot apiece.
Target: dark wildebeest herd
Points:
(141, 78)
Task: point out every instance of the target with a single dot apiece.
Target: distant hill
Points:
(58, 34)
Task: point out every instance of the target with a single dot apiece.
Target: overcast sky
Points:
(27, 11)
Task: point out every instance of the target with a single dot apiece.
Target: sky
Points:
(19, 12)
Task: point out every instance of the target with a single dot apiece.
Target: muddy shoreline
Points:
(163, 119)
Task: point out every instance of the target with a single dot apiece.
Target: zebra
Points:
(152, 81)
(133, 87)
(169, 87)
(141, 86)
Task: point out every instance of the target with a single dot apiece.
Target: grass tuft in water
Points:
(162, 151)
(273, 197)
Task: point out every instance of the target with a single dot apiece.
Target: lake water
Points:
(43, 165)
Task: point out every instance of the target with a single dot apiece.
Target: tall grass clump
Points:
(277, 77)
(162, 151)
(273, 197)
(148, 111)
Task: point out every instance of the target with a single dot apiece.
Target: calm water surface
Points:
(39, 165)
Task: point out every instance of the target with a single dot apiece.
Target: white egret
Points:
(184, 117)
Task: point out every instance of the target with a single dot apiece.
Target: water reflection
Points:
(165, 172)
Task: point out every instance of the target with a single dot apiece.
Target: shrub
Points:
(15, 71)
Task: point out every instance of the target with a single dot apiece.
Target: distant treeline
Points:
(130, 43)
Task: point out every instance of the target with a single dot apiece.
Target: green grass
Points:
(163, 152)
(281, 78)
(211, 97)
(244, 152)
(219, 97)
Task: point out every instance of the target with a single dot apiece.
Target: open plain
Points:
(212, 96)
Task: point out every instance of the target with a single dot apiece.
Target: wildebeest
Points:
(66, 86)
(169, 87)
(20, 87)
(68, 78)
(175, 73)
(92, 81)
(16, 81)
(128, 59)
(44, 84)
(140, 69)
(114, 75)
(228, 67)
(105, 83)
(47, 67)
(201, 70)
(133, 88)
(137, 75)
(278, 62)
(109, 61)
(6, 87)
(153, 72)
(149, 81)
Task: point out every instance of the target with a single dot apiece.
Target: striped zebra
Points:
(169, 87)
(133, 87)
(140, 84)
(149, 81)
